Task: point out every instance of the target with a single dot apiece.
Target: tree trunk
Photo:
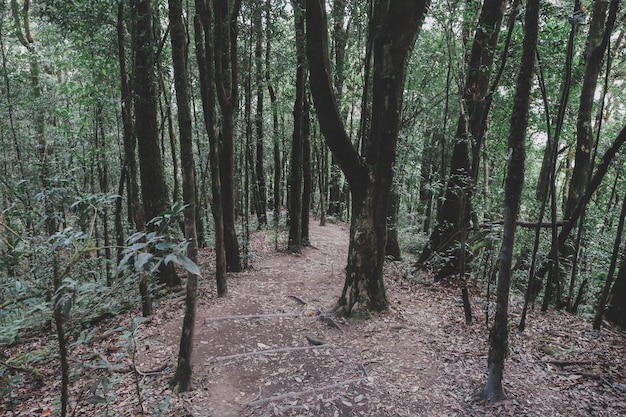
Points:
(276, 196)
(616, 311)
(299, 119)
(306, 172)
(225, 44)
(204, 51)
(370, 177)
(182, 378)
(336, 205)
(513, 190)
(261, 209)
(466, 152)
(392, 249)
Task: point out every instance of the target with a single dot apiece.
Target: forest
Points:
(459, 164)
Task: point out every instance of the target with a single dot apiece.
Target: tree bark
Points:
(616, 311)
(397, 25)
(204, 51)
(182, 378)
(261, 209)
(225, 56)
(513, 190)
(299, 119)
(153, 185)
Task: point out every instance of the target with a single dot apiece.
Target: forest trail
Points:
(417, 359)
(271, 348)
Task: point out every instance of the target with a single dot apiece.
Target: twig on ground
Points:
(262, 352)
(251, 316)
(298, 299)
(314, 342)
(294, 394)
(568, 363)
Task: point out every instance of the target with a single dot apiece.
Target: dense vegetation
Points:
(97, 195)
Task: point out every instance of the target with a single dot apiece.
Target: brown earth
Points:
(271, 348)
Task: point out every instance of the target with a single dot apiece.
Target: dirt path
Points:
(417, 359)
(270, 348)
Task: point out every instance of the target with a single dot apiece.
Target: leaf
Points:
(188, 264)
(164, 246)
(96, 399)
(142, 261)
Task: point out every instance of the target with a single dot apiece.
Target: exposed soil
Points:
(271, 348)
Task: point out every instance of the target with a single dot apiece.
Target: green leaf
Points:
(96, 399)
(142, 261)
(188, 264)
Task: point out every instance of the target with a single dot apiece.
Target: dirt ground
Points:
(271, 348)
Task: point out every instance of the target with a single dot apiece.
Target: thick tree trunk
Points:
(397, 25)
(513, 192)
(153, 185)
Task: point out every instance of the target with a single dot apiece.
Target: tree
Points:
(300, 132)
(205, 59)
(513, 190)
(261, 199)
(370, 176)
(178, 36)
(469, 135)
(153, 184)
(226, 81)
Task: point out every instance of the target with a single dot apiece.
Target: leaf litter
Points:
(271, 348)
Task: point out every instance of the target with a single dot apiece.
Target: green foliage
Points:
(146, 251)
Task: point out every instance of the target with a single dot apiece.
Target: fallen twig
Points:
(251, 316)
(331, 323)
(314, 342)
(568, 363)
(298, 299)
(294, 394)
(262, 352)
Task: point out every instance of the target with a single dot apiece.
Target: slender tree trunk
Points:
(204, 51)
(182, 379)
(225, 44)
(299, 131)
(392, 249)
(513, 191)
(306, 171)
(261, 208)
(276, 197)
(336, 205)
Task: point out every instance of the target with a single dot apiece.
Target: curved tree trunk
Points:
(370, 176)
(513, 190)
